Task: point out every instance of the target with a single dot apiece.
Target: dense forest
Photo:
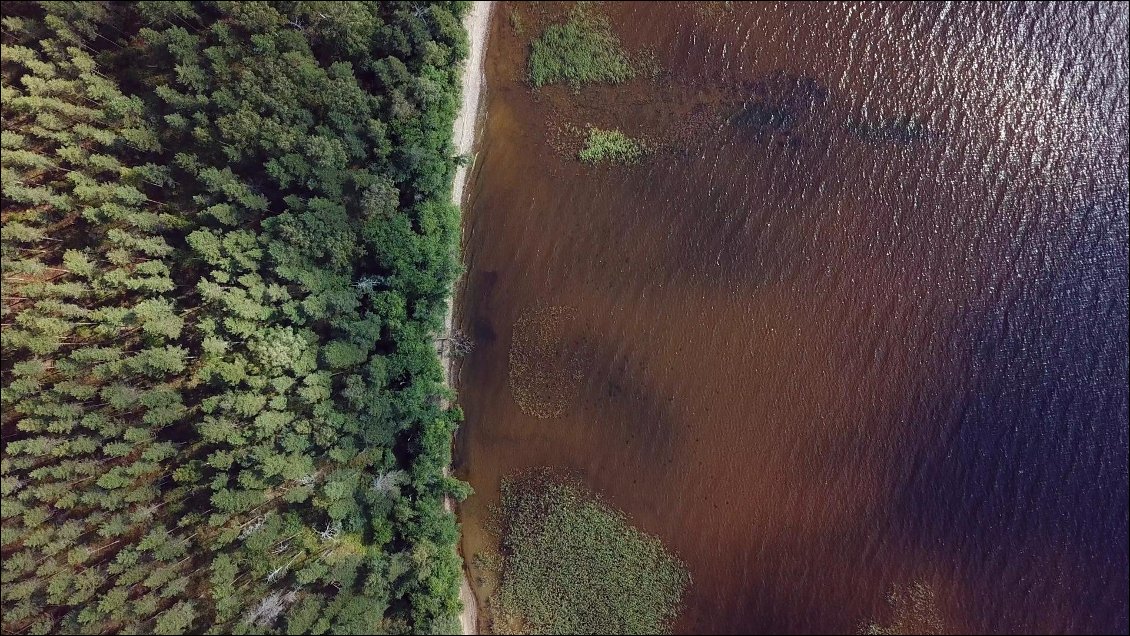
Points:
(228, 239)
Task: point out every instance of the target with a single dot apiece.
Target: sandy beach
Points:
(477, 23)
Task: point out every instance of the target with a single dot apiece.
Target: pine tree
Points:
(220, 298)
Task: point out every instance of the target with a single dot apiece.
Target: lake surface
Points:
(858, 327)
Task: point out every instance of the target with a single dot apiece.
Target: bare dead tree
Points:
(268, 610)
(457, 343)
(388, 483)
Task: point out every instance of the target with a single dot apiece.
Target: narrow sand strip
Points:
(477, 23)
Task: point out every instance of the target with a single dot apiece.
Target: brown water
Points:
(860, 323)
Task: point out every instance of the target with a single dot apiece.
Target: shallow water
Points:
(859, 323)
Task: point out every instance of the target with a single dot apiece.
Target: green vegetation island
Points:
(582, 50)
(572, 564)
(228, 246)
(611, 146)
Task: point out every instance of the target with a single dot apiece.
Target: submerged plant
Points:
(914, 610)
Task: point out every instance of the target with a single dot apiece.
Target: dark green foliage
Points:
(227, 243)
(582, 50)
(573, 565)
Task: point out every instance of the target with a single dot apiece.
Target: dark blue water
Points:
(1027, 485)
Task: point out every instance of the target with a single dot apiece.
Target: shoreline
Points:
(477, 23)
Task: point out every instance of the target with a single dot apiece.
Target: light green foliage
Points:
(573, 565)
(220, 300)
(611, 146)
(582, 50)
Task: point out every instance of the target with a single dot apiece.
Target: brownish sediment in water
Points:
(762, 313)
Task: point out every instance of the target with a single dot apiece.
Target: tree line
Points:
(227, 242)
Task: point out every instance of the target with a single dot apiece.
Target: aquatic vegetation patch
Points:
(582, 50)
(914, 610)
(516, 22)
(710, 9)
(611, 146)
(545, 368)
(571, 564)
